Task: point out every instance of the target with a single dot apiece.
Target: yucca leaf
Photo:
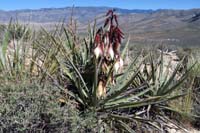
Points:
(87, 51)
(5, 43)
(125, 126)
(3, 50)
(80, 76)
(68, 38)
(95, 82)
(169, 81)
(125, 49)
(153, 75)
(135, 118)
(94, 28)
(120, 117)
(149, 122)
(1, 64)
(144, 102)
(130, 97)
(54, 66)
(10, 65)
(66, 71)
(179, 82)
(178, 111)
(161, 67)
(167, 98)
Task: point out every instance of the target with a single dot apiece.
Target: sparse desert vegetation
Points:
(59, 81)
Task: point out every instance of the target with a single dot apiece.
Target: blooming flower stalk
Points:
(107, 46)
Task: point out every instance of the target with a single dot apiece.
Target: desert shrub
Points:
(30, 107)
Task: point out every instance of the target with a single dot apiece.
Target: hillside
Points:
(178, 27)
(144, 26)
(52, 15)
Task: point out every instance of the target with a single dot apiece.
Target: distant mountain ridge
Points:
(48, 15)
(144, 26)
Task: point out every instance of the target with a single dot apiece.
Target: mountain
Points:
(164, 26)
(48, 15)
(175, 27)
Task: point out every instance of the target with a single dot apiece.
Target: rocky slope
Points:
(180, 27)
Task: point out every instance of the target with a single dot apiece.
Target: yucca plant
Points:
(172, 83)
(16, 51)
(161, 75)
(90, 72)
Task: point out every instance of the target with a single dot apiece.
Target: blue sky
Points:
(128, 4)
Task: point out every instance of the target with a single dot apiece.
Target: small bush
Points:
(29, 107)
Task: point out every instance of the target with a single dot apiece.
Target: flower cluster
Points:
(107, 50)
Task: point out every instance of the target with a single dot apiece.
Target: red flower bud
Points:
(110, 12)
(116, 47)
(106, 22)
(97, 39)
(115, 17)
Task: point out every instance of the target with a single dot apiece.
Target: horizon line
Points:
(98, 7)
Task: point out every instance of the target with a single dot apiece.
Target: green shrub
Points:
(30, 107)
